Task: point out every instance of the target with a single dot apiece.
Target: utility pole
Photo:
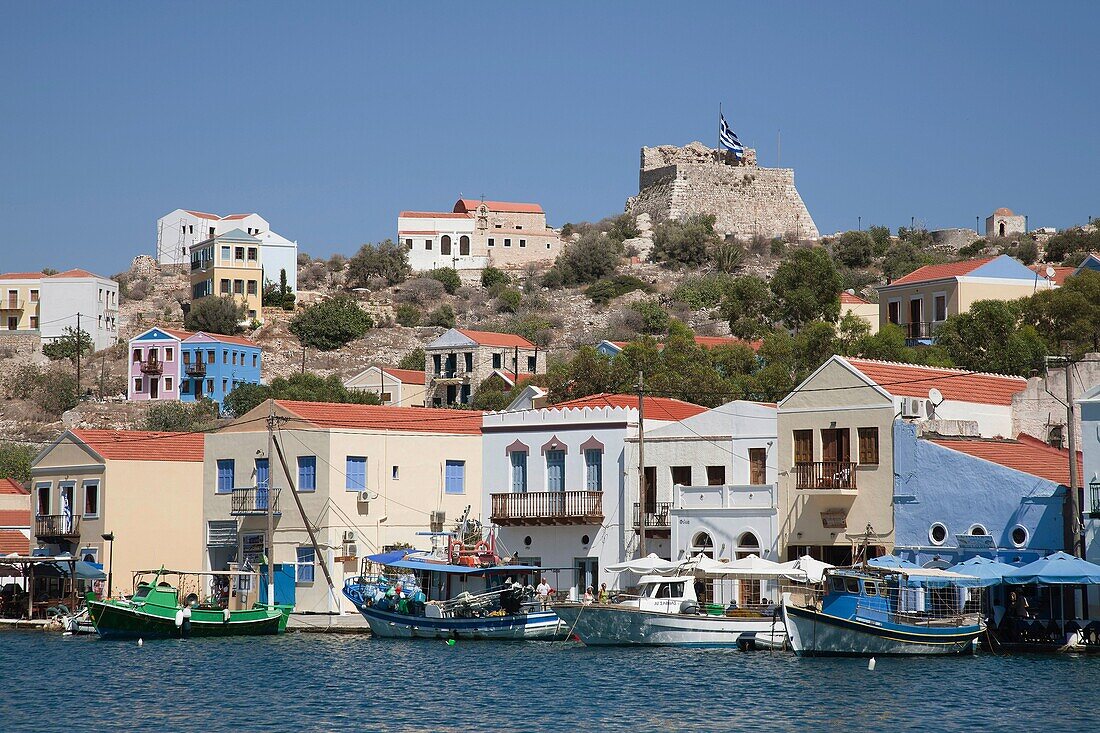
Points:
(641, 468)
(79, 347)
(1072, 507)
(270, 504)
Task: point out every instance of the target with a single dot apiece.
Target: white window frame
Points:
(941, 294)
(84, 498)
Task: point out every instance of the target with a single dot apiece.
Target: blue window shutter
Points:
(519, 472)
(307, 473)
(225, 475)
(593, 461)
(356, 473)
(261, 472)
(455, 477)
(555, 470)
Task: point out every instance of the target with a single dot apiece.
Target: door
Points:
(154, 388)
(836, 445)
(758, 463)
(587, 574)
(464, 245)
(893, 311)
(650, 489)
(555, 470)
(67, 507)
(445, 245)
(916, 315)
(262, 477)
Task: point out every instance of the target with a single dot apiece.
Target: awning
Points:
(1057, 569)
(988, 572)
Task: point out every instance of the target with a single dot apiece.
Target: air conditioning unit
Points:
(349, 535)
(911, 407)
(351, 549)
(437, 519)
(365, 496)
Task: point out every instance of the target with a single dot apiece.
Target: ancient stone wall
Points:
(1040, 409)
(745, 199)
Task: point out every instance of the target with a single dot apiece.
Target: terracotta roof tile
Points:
(143, 445)
(222, 338)
(911, 380)
(492, 338)
(847, 298)
(72, 274)
(1025, 453)
(656, 408)
(510, 207)
(433, 215)
(1060, 273)
(941, 272)
(408, 376)
(15, 517)
(202, 214)
(11, 486)
(13, 542)
(21, 276)
(386, 417)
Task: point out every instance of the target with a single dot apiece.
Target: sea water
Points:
(330, 682)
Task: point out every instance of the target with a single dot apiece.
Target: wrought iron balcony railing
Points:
(253, 500)
(825, 475)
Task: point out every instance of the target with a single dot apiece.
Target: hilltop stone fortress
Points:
(745, 199)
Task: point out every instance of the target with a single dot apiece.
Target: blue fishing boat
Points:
(865, 611)
(424, 595)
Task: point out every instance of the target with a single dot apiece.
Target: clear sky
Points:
(329, 118)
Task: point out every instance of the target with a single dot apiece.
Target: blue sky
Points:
(330, 118)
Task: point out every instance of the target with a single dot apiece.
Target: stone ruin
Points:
(745, 199)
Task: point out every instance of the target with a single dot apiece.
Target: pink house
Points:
(154, 359)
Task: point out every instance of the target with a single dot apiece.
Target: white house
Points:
(555, 482)
(279, 254)
(64, 296)
(439, 239)
(397, 387)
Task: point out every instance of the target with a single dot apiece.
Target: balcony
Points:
(11, 304)
(197, 369)
(657, 519)
(253, 501)
(547, 508)
(451, 377)
(834, 477)
(921, 332)
(152, 365)
(56, 526)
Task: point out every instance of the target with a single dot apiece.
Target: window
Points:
(238, 253)
(34, 321)
(939, 307)
(225, 475)
(593, 469)
(252, 287)
(428, 244)
(547, 245)
(210, 386)
(303, 570)
(185, 387)
(803, 446)
(211, 356)
(137, 384)
(225, 356)
(716, 475)
(522, 242)
(356, 473)
(395, 473)
(34, 296)
(531, 364)
(937, 533)
(492, 242)
(307, 473)
(469, 361)
(681, 475)
(169, 353)
(978, 530)
(893, 311)
(408, 244)
(555, 470)
(496, 361)
(1020, 535)
(168, 384)
(225, 385)
(238, 287)
(225, 287)
(868, 446)
(455, 477)
(137, 354)
(758, 466)
(91, 499)
(234, 357)
(255, 360)
(252, 253)
(507, 242)
(519, 471)
(225, 254)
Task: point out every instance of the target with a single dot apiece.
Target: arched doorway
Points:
(464, 245)
(1001, 228)
(748, 591)
(445, 245)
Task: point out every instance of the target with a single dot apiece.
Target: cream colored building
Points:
(145, 488)
(865, 310)
(922, 300)
(369, 478)
(397, 387)
(836, 462)
(229, 264)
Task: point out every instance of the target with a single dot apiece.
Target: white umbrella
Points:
(807, 567)
(648, 565)
(752, 566)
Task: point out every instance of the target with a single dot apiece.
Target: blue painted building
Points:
(1090, 478)
(957, 497)
(212, 365)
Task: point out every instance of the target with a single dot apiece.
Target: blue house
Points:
(212, 365)
(958, 497)
(1090, 478)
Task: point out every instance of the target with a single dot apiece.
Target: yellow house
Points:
(922, 300)
(397, 387)
(369, 477)
(850, 303)
(142, 487)
(229, 264)
(19, 300)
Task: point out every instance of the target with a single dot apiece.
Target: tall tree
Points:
(806, 287)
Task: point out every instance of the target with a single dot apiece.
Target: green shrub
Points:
(702, 292)
(684, 242)
(15, 461)
(509, 301)
(449, 277)
(408, 315)
(654, 318)
(728, 256)
(606, 290)
(443, 316)
(221, 314)
(386, 260)
(412, 360)
(181, 416)
(854, 249)
(593, 256)
(330, 324)
(69, 345)
(306, 386)
(491, 276)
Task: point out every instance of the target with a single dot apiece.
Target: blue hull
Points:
(813, 633)
(540, 625)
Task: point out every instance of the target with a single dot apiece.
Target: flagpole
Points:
(718, 150)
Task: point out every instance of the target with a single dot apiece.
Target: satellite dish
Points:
(1050, 271)
(935, 397)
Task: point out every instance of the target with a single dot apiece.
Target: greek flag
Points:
(728, 138)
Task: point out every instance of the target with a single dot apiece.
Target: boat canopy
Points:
(812, 569)
(1057, 569)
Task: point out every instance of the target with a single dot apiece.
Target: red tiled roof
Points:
(656, 408)
(1004, 211)
(202, 214)
(71, 274)
(11, 486)
(408, 376)
(21, 276)
(239, 340)
(1025, 453)
(15, 517)
(433, 215)
(234, 217)
(511, 207)
(492, 338)
(386, 417)
(12, 542)
(1060, 273)
(417, 231)
(941, 272)
(910, 380)
(143, 445)
(847, 298)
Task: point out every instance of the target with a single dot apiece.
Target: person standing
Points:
(604, 597)
(543, 591)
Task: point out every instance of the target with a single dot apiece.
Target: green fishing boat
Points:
(157, 610)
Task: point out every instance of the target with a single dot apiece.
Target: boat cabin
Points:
(923, 596)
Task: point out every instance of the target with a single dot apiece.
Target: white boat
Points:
(667, 613)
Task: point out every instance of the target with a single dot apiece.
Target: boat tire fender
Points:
(179, 618)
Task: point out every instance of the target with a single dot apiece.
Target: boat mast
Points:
(270, 503)
(641, 468)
